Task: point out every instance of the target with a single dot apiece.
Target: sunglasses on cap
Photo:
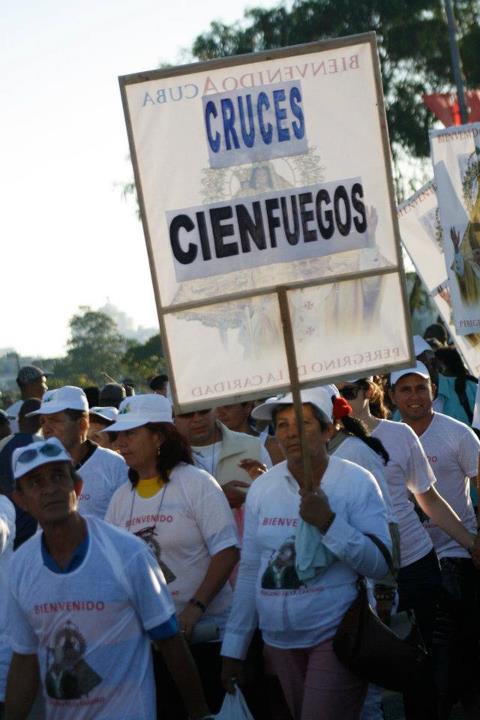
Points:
(48, 450)
(189, 415)
(350, 392)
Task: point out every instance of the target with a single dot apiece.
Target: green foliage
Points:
(141, 361)
(413, 48)
(95, 348)
(97, 353)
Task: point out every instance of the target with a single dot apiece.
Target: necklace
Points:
(134, 494)
(149, 536)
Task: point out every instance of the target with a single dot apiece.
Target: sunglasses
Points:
(48, 450)
(189, 415)
(350, 392)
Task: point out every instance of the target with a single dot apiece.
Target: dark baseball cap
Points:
(30, 373)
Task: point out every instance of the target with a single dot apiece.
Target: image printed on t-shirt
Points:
(68, 676)
(280, 573)
(148, 535)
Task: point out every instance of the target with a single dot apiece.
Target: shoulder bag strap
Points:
(384, 550)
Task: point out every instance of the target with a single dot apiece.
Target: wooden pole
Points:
(294, 382)
(456, 62)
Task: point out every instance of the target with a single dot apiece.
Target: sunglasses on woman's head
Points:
(350, 392)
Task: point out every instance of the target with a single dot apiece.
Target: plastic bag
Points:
(234, 707)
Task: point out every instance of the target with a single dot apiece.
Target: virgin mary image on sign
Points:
(466, 263)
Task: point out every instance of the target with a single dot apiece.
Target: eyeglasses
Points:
(350, 392)
(189, 415)
(48, 450)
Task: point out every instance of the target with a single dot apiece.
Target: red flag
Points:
(445, 107)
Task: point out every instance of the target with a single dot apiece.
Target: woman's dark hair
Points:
(376, 400)
(174, 450)
(452, 362)
(354, 426)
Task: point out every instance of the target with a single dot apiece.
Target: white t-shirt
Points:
(452, 450)
(355, 450)
(89, 626)
(206, 456)
(7, 536)
(407, 470)
(102, 473)
(12, 412)
(185, 523)
(291, 613)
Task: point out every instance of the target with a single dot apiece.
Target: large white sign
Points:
(421, 233)
(456, 164)
(263, 172)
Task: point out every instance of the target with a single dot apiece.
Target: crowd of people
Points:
(152, 562)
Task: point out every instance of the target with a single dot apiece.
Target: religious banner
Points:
(421, 233)
(265, 189)
(456, 164)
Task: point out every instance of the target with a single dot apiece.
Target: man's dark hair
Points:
(158, 381)
(93, 395)
(112, 394)
(30, 425)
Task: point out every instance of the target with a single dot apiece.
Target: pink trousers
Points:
(316, 685)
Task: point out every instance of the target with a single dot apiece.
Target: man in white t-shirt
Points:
(85, 601)
(453, 451)
(64, 415)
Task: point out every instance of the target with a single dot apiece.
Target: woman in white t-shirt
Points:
(182, 514)
(298, 600)
(411, 482)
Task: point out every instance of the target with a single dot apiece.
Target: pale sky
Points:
(67, 236)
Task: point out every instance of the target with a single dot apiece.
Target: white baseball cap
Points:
(419, 369)
(320, 397)
(67, 397)
(27, 458)
(140, 410)
(420, 345)
(107, 413)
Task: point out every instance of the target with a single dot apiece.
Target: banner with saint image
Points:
(421, 232)
(456, 164)
(261, 172)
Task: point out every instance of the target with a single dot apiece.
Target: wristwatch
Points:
(201, 606)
